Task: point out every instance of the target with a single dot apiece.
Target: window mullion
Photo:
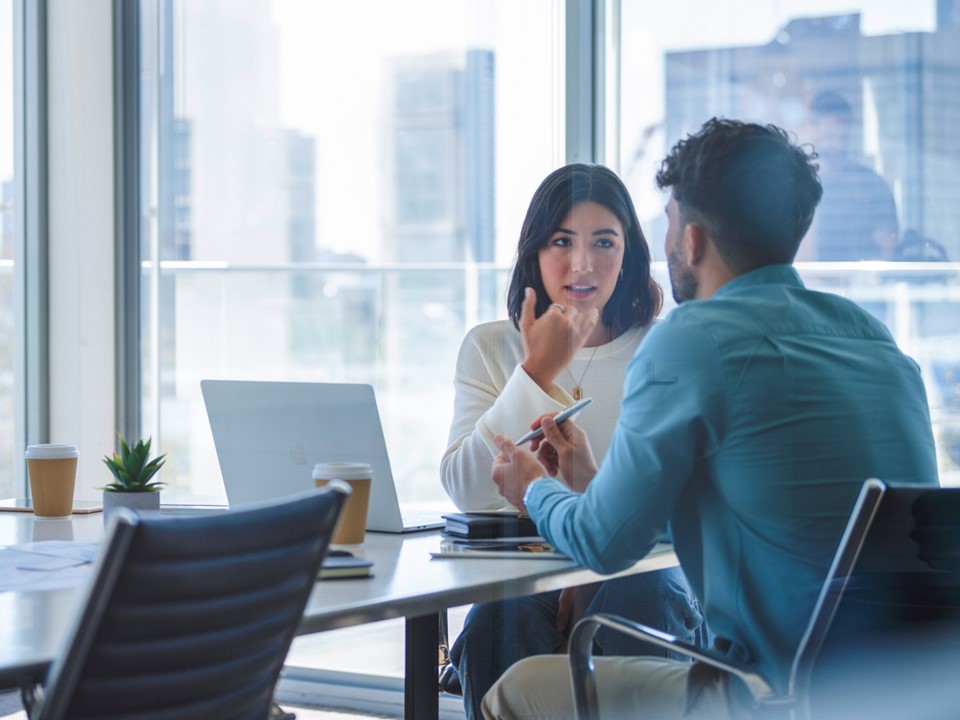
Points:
(31, 358)
(586, 23)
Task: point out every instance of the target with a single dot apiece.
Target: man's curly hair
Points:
(751, 188)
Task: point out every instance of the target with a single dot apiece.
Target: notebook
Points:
(269, 435)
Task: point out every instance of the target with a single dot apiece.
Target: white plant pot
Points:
(132, 500)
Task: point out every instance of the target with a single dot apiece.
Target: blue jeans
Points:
(496, 635)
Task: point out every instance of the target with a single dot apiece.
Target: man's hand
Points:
(513, 470)
(564, 448)
(551, 340)
(565, 609)
(571, 608)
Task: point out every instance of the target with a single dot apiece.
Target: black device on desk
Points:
(485, 525)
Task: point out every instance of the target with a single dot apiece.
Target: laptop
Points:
(269, 435)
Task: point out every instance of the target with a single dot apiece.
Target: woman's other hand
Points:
(513, 470)
(552, 340)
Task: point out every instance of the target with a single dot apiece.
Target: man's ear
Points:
(694, 244)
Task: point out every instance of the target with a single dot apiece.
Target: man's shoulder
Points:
(776, 309)
(706, 316)
(691, 324)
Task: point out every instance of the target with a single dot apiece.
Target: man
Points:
(750, 418)
(857, 218)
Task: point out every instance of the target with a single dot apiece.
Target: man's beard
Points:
(682, 282)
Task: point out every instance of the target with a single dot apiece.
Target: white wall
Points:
(81, 225)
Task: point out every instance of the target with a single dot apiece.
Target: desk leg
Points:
(421, 699)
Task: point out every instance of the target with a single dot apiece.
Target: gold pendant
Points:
(577, 392)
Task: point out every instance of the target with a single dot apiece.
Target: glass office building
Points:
(332, 191)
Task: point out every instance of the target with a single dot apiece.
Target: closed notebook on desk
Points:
(344, 565)
(489, 525)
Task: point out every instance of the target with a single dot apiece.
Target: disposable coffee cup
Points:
(353, 518)
(53, 474)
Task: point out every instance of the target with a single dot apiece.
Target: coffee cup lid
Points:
(50, 451)
(342, 470)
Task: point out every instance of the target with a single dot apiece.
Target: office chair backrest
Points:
(844, 561)
(192, 617)
(909, 538)
(896, 565)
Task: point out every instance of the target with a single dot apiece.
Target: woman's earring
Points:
(620, 276)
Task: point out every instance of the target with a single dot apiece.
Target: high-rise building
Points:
(903, 90)
(440, 148)
(440, 145)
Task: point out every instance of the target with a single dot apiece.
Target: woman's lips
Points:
(580, 292)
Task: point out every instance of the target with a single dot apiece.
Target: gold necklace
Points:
(578, 385)
(577, 390)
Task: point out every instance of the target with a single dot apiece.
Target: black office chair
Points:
(190, 616)
(896, 568)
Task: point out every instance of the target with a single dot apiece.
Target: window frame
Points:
(31, 238)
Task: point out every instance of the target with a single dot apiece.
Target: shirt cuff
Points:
(526, 494)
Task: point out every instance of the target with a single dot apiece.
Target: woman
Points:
(581, 288)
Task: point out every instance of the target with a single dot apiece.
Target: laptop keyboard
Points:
(415, 518)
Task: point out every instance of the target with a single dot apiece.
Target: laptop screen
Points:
(269, 435)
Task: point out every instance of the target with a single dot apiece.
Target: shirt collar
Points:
(766, 275)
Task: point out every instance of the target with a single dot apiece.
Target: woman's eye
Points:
(604, 243)
(560, 241)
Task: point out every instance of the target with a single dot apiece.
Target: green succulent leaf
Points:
(132, 469)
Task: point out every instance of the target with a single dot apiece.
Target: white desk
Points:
(407, 583)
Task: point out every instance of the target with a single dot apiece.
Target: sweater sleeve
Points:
(493, 395)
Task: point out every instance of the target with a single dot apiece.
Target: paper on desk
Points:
(482, 549)
(48, 565)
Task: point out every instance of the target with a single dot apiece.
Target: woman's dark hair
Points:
(637, 297)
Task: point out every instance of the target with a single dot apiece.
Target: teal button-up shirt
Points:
(749, 422)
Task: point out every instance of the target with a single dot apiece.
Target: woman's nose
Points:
(582, 261)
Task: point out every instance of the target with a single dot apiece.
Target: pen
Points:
(560, 417)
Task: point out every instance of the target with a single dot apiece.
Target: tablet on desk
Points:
(80, 507)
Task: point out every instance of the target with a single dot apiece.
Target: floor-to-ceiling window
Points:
(874, 86)
(332, 192)
(7, 209)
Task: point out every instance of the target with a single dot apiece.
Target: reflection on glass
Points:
(857, 216)
(331, 200)
(873, 90)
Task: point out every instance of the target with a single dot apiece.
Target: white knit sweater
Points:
(495, 395)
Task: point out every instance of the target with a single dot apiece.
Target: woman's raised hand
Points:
(551, 340)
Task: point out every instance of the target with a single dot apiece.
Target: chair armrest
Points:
(582, 668)
(31, 695)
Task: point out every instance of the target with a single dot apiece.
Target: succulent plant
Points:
(133, 468)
